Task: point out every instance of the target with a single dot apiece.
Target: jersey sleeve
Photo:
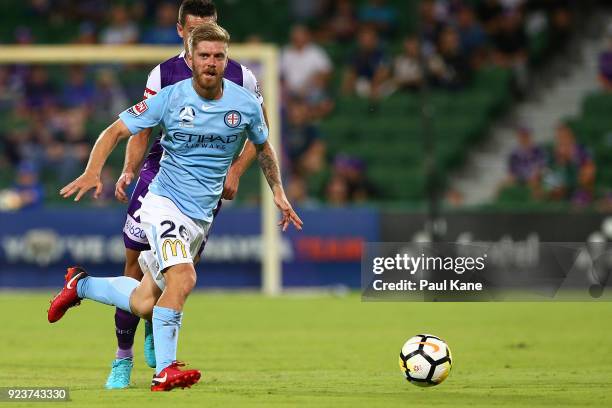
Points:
(257, 131)
(145, 114)
(250, 82)
(153, 83)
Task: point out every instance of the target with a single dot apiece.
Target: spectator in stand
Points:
(306, 11)
(368, 67)
(9, 88)
(526, 162)
(489, 12)
(570, 174)
(302, 139)
(87, 34)
(26, 192)
(65, 148)
(86, 10)
(24, 36)
(38, 89)
(450, 68)
(343, 24)
(110, 98)
(164, 31)
(379, 15)
(513, 5)
(320, 102)
(472, 36)
(559, 17)
(510, 43)
(302, 61)
(39, 8)
(297, 192)
(407, 71)
(351, 171)
(431, 26)
(16, 134)
(336, 192)
(605, 64)
(77, 91)
(121, 29)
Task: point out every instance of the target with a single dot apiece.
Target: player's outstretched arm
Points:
(269, 166)
(134, 155)
(90, 178)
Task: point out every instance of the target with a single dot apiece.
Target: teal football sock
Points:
(166, 325)
(110, 291)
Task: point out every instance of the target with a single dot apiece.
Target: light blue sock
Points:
(110, 291)
(166, 325)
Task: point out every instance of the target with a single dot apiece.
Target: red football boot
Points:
(68, 296)
(172, 377)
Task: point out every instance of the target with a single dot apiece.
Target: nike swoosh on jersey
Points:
(205, 108)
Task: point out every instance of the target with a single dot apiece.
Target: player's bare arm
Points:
(134, 156)
(266, 156)
(90, 178)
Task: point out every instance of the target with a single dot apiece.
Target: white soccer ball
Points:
(425, 360)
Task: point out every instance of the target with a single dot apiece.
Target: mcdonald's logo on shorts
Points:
(174, 245)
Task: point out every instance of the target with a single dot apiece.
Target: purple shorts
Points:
(134, 236)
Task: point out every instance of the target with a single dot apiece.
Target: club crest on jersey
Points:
(138, 109)
(187, 115)
(233, 118)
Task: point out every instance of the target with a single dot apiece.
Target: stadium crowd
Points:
(48, 115)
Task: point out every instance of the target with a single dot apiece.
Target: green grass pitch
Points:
(323, 351)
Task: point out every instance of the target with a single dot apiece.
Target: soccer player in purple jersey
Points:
(175, 69)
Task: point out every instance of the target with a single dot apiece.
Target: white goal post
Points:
(266, 55)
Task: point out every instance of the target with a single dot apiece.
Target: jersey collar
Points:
(182, 55)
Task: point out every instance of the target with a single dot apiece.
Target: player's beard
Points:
(209, 83)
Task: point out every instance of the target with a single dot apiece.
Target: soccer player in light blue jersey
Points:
(206, 121)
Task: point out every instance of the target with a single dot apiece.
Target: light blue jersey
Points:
(201, 137)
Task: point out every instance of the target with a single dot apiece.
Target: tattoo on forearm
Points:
(269, 166)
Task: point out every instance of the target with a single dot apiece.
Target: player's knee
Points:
(189, 281)
(147, 314)
(181, 279)
(141, 303)
(142, 308)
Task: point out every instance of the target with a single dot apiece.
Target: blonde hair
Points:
(207, 32)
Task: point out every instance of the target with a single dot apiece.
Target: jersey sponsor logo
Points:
(149, 93)
(134, 231)
(187, 116)
(233, 118)
(138, 109)
(174, 245)
(192, 138)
